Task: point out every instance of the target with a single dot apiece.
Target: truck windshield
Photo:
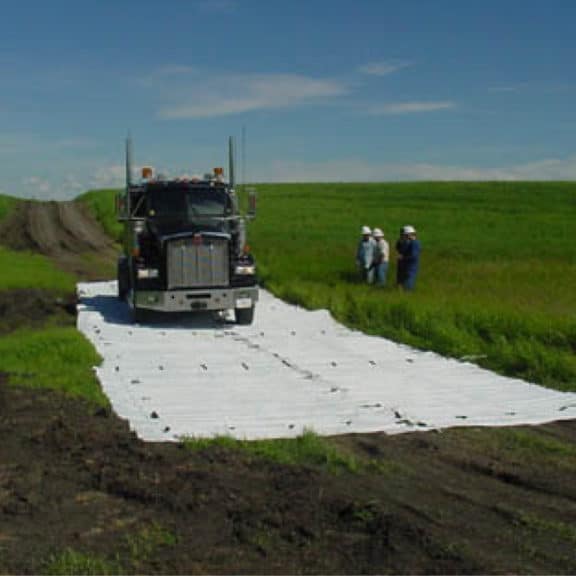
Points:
(188, 203)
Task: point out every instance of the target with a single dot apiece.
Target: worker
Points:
(401, 244)
(365, 255)
(408, 258)
(381, 257)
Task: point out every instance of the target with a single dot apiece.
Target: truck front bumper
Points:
(197, 299)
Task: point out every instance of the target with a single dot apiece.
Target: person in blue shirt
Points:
(365, 255)
(408, 248)
(401, 245)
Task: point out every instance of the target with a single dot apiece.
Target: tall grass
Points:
(56, 358)
(496, 279)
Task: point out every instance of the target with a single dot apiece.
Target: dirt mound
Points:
(65, 232)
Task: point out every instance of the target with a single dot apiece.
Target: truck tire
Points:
(123, 276)
(137, 315)
(244, 316)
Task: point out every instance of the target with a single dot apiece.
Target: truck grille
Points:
(197, 265)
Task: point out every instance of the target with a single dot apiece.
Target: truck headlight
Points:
(245, 270)
(148, 273)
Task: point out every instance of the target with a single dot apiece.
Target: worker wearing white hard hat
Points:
(408, 249)
(381, 257)
(365, 255)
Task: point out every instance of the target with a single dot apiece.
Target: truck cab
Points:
(184, 246)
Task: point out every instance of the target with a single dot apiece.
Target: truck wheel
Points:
(137, 315)
(244, 316)
(123, 279)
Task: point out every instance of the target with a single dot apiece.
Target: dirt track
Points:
(73, 477)
(63, 231)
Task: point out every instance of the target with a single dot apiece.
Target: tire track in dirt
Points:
(66, 233)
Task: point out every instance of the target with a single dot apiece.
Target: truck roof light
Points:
(147, 172)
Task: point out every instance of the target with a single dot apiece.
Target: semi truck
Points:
(184, 244)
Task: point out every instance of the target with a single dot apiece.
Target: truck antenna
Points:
(243, 156)
(231, 160)
(128, 160)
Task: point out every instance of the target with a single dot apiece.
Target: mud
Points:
(74, 477)
(66, 233)
(33, 308)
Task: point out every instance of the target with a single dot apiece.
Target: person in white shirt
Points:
(365, 255)
(381, 257)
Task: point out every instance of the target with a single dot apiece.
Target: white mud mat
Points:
(290, 371)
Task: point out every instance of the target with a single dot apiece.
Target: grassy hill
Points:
(6, 204)
(102, 204)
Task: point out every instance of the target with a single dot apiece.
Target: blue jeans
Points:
(410, 279)
(380, 273)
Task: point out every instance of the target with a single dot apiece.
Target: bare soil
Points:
(73, 477)
(34, 308)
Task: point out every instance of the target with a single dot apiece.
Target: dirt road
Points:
(63, 231)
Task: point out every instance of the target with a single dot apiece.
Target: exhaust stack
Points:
(126, 205)
(231, 161)
(128, 162)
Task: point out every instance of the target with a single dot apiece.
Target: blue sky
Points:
(324, 90)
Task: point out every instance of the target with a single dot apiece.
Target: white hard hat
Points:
(378, 233)
(408, 230)
(366, 230)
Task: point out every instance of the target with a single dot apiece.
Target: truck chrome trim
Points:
(187, 300)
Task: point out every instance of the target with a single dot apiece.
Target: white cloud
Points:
(383, 68)
(338, 170)
(358, 170)
(111, 176)
(37, 186)
(226, 95)
(397, 108)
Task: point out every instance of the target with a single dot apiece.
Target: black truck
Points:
(184, 244)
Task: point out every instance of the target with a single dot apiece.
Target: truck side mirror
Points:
(252, 202)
